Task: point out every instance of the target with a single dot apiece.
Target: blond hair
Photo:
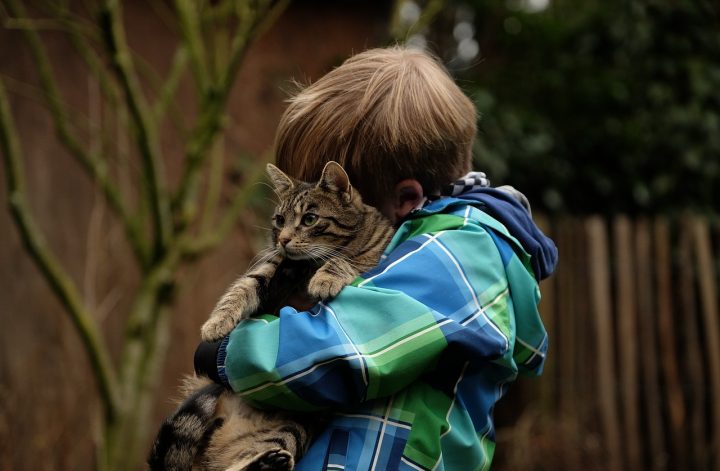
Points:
(385, 115)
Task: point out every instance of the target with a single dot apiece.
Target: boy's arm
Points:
(382, 333)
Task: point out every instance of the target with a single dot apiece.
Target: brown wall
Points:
(48, 405)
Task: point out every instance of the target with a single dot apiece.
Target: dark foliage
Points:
(600, 106)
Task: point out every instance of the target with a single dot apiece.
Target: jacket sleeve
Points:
(435, 295)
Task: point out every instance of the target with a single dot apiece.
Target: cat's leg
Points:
(331, 278)
(280, 460)
(278, 448)
(240, 300)
(253, 440)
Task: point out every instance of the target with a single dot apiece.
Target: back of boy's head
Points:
(385, 115)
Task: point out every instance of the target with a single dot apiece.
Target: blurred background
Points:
(133, 135)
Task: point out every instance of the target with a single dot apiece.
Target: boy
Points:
(411, 357)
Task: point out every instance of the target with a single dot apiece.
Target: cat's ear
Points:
(279, 179)
(334, 178)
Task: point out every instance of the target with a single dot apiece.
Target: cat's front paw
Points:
(275, 460)
(217, 327)
(324, 285)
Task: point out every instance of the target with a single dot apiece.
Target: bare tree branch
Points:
(80, 39)
(189, 16)
(59, 281)
(214, 184)
(252, 24)
(114, 33)
(95, 165)
(194, 247)
(167, 91)
(126, 390)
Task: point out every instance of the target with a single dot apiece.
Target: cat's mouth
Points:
(293, 254)
(297, 256)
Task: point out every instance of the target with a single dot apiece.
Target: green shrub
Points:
(600, 105)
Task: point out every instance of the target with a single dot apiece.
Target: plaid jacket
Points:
(412, 356)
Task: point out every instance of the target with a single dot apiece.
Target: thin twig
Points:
(40, 24)
(195, 247)
(59, 281)
(221, 11)
(157, 86)
(215, 173)
(35, 24)
(81, 43)
(214, 184)
(189, 18)
(76, 118)
(170, 87)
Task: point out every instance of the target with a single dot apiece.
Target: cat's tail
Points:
(188, 430)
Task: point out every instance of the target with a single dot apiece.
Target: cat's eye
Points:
(279, 220)
(309, 219)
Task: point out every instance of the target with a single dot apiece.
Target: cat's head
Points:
(314, 221)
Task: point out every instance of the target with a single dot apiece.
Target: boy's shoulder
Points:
(503, 213)
(448, 214)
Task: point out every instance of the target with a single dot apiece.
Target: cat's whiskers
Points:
(274, 190)
(316, 258)
(272, 201)
(327, 253)
(262, 257)
(308, 253)
(335, 252)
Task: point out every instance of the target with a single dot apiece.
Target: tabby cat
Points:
(323, 237)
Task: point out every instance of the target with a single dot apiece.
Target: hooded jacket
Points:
(412, 357)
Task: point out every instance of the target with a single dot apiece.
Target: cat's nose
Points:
(283, 241)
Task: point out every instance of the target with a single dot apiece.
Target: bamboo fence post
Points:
(600, 301)
(628, 340)
(666, 332)
(693, 361)
(711, 327)
(566, 349)
(585, 335)
(565, 323)
(648, 344)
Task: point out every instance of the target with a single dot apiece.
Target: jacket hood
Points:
(511, 209)
(508, 209)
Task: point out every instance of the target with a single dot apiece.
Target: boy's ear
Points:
(408, 195)
(334, 178)
(279, 179)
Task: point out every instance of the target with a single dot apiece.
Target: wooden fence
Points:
(632, 379)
